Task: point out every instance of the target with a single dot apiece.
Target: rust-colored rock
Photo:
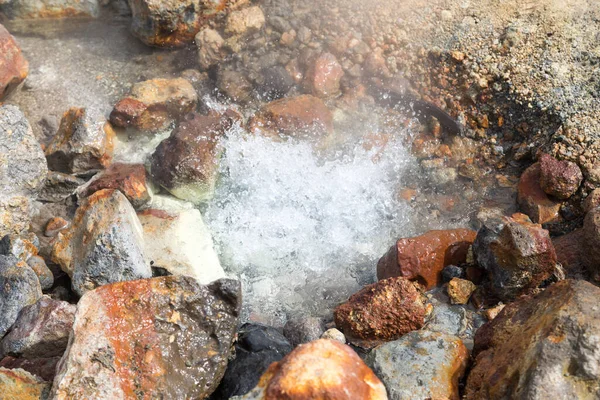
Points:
(571, 251)
(382, 311)
(129, 179)
(13, 66)
(542, 347)
(19, 384)
(532, 199)
(591, 241)
(295, 117)
(319, 370)
(55, 225)
(560, 179)
(46, 9)
(422, 258)
(460, 290)
(322, 79)
(153, 105)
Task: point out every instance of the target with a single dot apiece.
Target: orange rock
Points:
(533, 200)
(129, 179)
(460, 290)
(21, 385)
(13, 66)
(319, 370)
(323, 76)
(55, 225)
(422, 258)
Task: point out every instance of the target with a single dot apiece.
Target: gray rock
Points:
(421, 365)
(33, 9)
(334, 334)
(21, 246)
(38, 265)
(59, 186)
(41, 330)
(301, 330)
(210, 48)
(19, 287)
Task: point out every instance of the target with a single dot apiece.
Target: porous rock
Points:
(560, 179)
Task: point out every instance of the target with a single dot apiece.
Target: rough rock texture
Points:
(186, 163)
(18, 384)
(40, 331)
(517, 254)
(234, 84)
(13, 66)
(323, 369)
(543, 347)
(22, 170)
(23, 246)
(560, 179)
(591, 240)
(210, 46)
(38, 265)
(41, 9)
(84, 141)
(19, 287)
(382, 311)
(532, 199)
(105, 244)
(423, 258)
(55, 225)
(323, 76)
(129, 179)
(460, 290)
(334, 334)
(45, 368)
(299, 116)
(153, 105)
(181, 243)
(571, 251)
(299, 330)
(257, 347)
(421, 365)
(246, 20)
(162, 337)
(59, 187)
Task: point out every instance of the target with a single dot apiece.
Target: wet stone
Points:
(532, 199)
(322, 78)
(129, 179)
(44, 9)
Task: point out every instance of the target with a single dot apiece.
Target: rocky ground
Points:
(115, 122)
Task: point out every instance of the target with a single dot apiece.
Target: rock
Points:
(423, 258)
(162, 337)
(301, 330)
(181, 243)
(40, 331)
(19, 287)
(334, 334)
(45, 368)
(572, 251)
(129, 179)
(44, 9)
(592, 201)
(21, 385)
(20, 246)
(155, 104)
(84, 141)
(452, 271)
(210, 48)
(542, 347)
(323, 369)
(517, 254)
(591, 240)
(55, 225)
(382, 311)
(105, 244)
(300, 116)
(38, 265)
(560, 179)
(13, 66)
(234, 85)
(244, 21)
(421, 365)
(22, 170)
(460, 290)
(322, 79)
(493, 312)
(186, 163)
(59, 187)
(532, 199)
(277, 82)
(257, 347)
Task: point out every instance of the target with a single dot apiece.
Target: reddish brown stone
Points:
(532, 200)
(129, 179)
(322, 79)
(13, 66)
(319, 370)
(296, 117)
(591, 241)
(55, 225)
(422, 258)
(45, 368)
(570, 251)
(382, 311)
(560, 179)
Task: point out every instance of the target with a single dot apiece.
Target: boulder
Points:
(421, 365)
(186, 163)
(423, 258)
(43, 9)
(84, 141)
(246, 20)
(560, 179)
(105, 243)
(180, 242)
(166, 337)
(155, 104)
(299, 116)
(20, 384)
(59, 187)
(210, 47)
(44, 368)
(323, 369)
(303, 329)
(517, 254)
(19, 287)
(532, 199)
(460, 290)
(382, 311)
(40, 331)
(542, 347)
(129, 179)
(257, 347)
(322, 78)
(13, 66)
